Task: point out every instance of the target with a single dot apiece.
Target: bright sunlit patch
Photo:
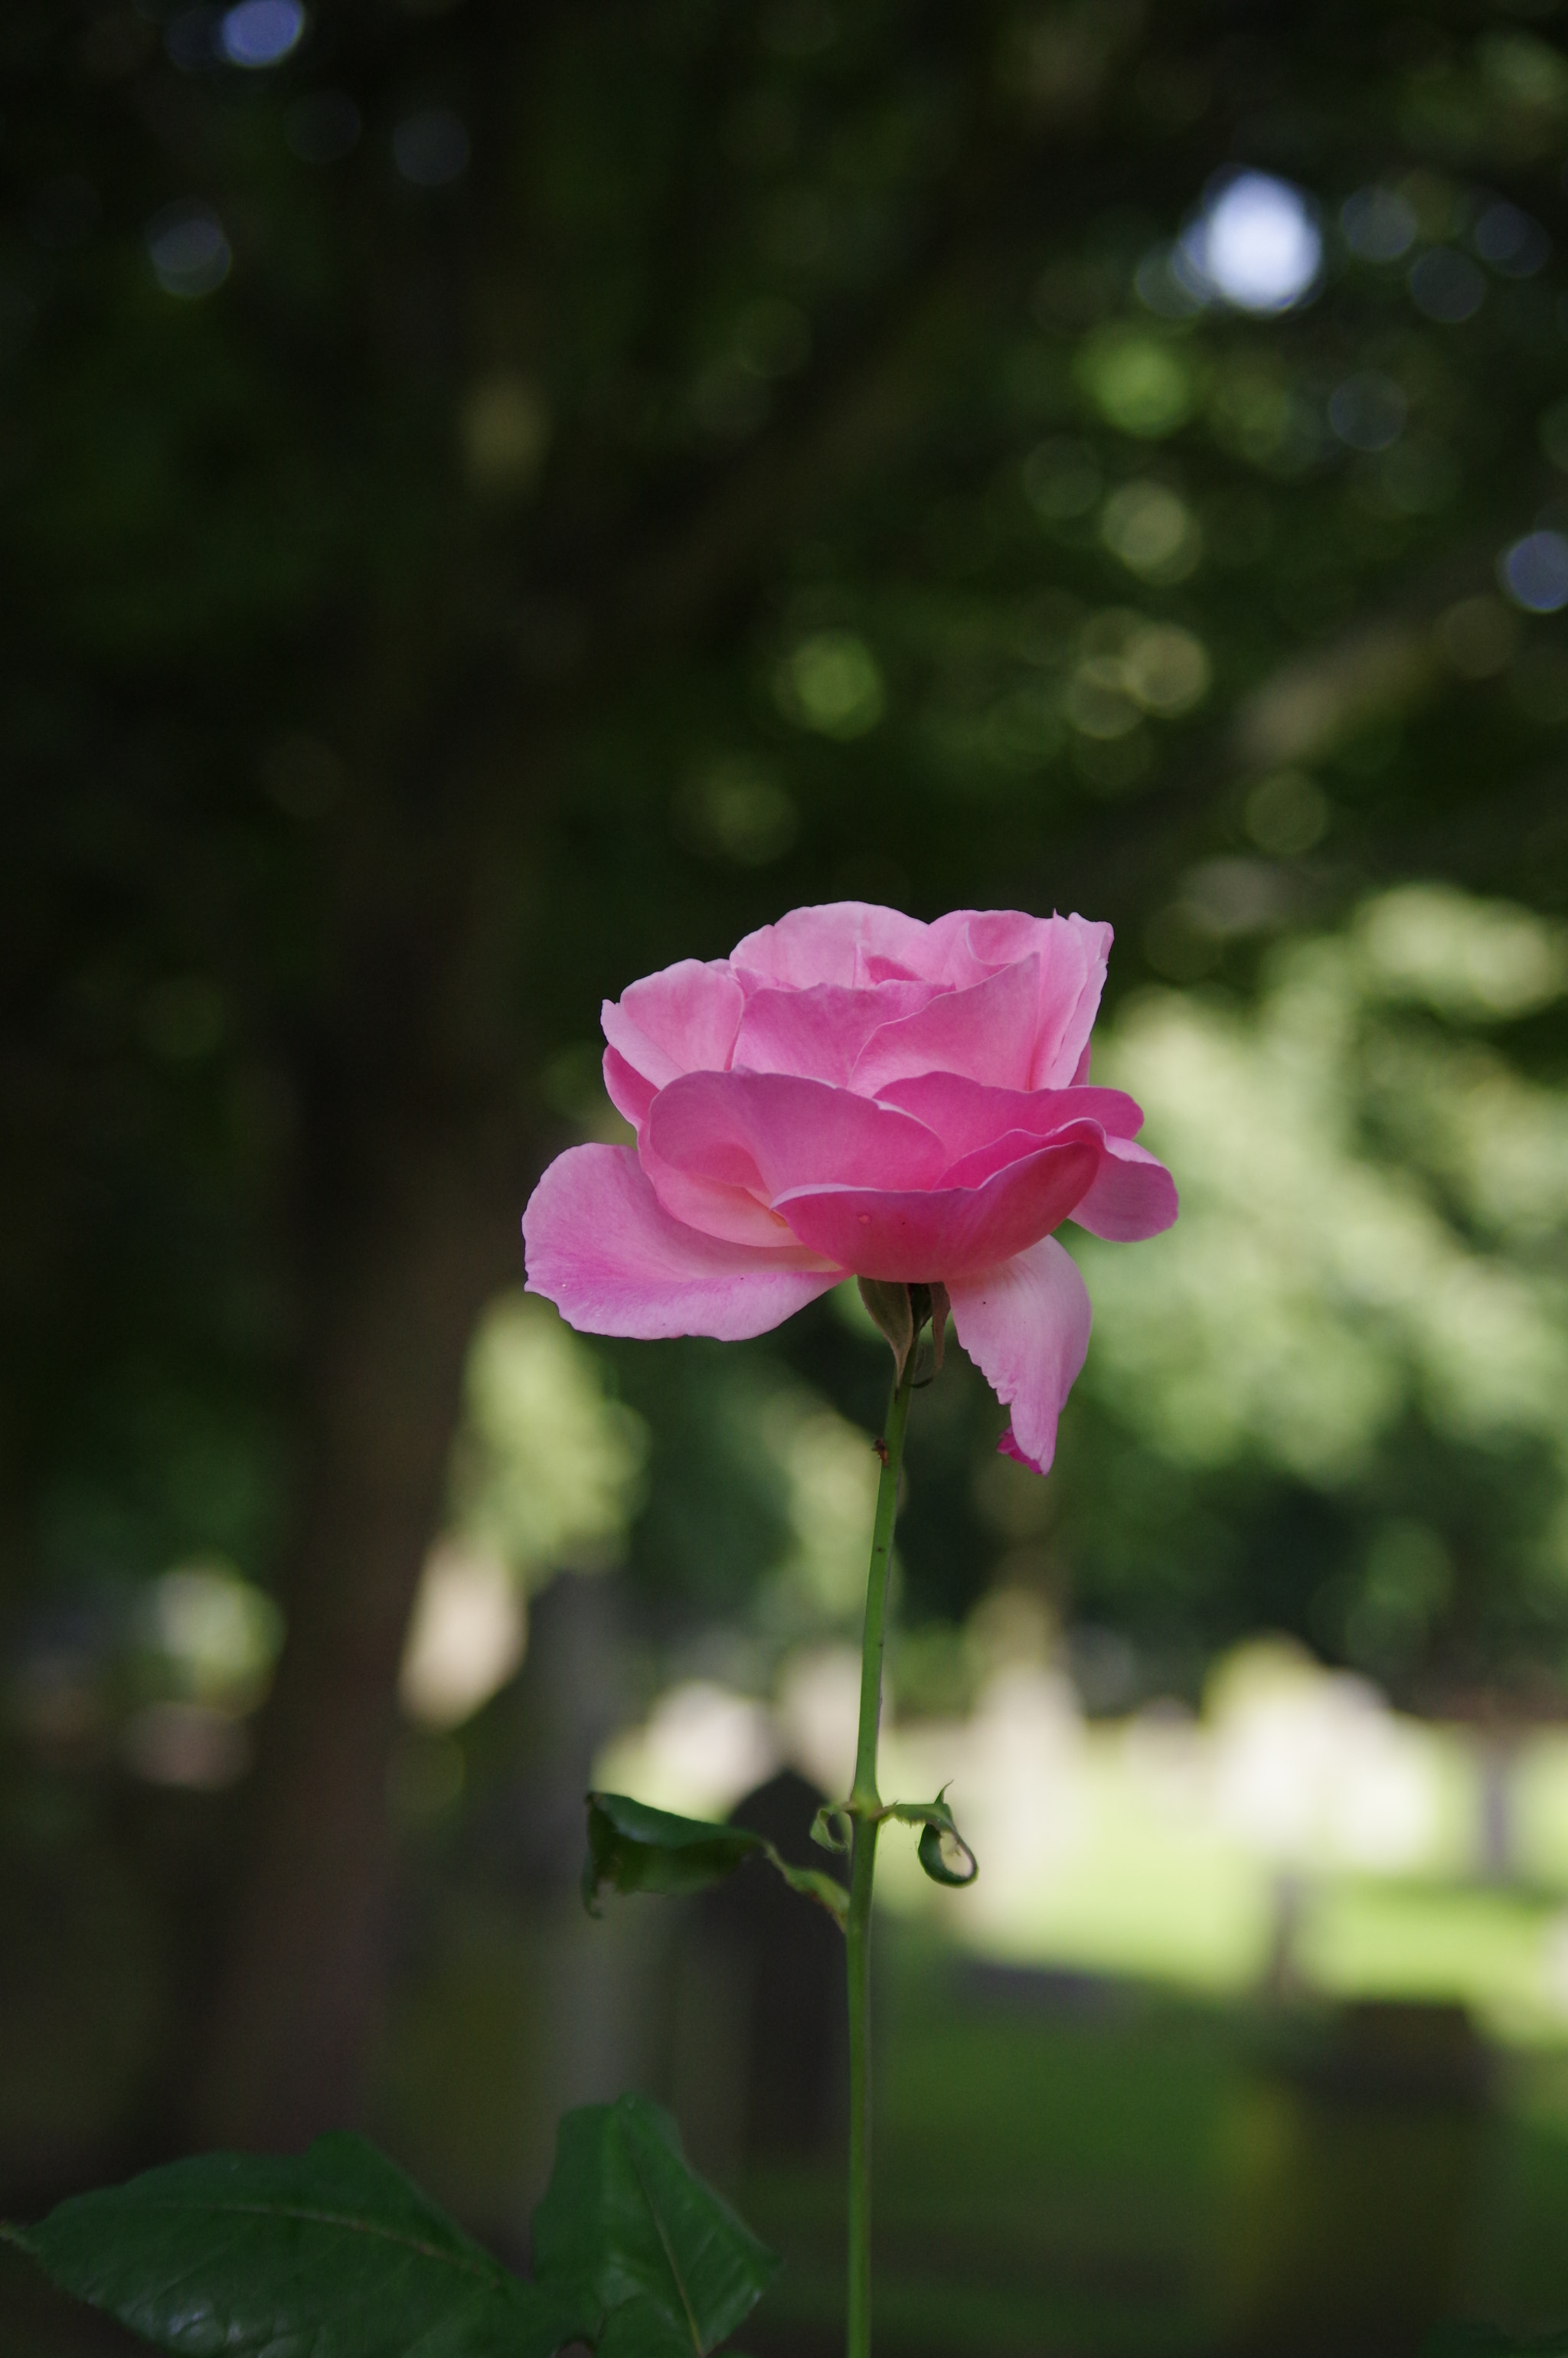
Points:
(210, 1642)
(1139, 384)
(466, 1637)
(259, 33)
(1312, 1768)
(818, 1697)
(701, 1748)
(1153, 531)
(831, 1475)
(216, 1634)
(1310, 1295)
(1255, 243)
(1167, 669)
(1463, 956)
(548, 1470)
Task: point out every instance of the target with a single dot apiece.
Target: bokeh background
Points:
(498, 497)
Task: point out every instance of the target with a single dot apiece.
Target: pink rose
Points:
(852, 1093)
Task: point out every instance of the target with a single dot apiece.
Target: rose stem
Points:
(864, 1801)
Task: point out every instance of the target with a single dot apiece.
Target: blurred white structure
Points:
(699, 1750)
(466, 1639)
(1311, 1767)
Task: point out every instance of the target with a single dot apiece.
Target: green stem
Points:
(864, 1801)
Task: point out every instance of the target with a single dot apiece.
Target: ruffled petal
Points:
(719, 1208)
(1014, 1146)
(937, 1234)
(1134, 1195)
(683, 1020)
(820, 1033)
(1026, 1326)
(627, 1090)
(833, 943)
(1072, 978)
(773, 1132)
(600, 1246)
(967, 1115)
(986, 1032)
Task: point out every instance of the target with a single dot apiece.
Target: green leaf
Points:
(626, 2228)
(329, 2253)
(944, 1854)
(633, 1848)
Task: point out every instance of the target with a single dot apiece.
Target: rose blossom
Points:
(852, 1093)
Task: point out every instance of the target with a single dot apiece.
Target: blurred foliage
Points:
(501, 498)
(546, 1470)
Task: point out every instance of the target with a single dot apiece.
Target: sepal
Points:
(943, 1852)
(888, 1305)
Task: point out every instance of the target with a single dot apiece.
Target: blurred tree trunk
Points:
(408, 1262)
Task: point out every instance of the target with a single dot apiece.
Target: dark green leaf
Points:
(625, 2226)
(640, 2329)
(890, 1306)
(633, 1848)
(329, 2253)
(944, 1854)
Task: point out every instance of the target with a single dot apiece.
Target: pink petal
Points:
(1134, 1195)
(601, 1246)
(627, 1090)
(773, 1132)
(986, 1032)
(833, 943)
(966, 1114)
(1026, 1326)
(819, 1032)
(918, 1238)
(737, 1213)
(973, 1170)
(1072, 978)
(683, 1020)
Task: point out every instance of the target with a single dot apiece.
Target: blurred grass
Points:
(1064, 2165)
